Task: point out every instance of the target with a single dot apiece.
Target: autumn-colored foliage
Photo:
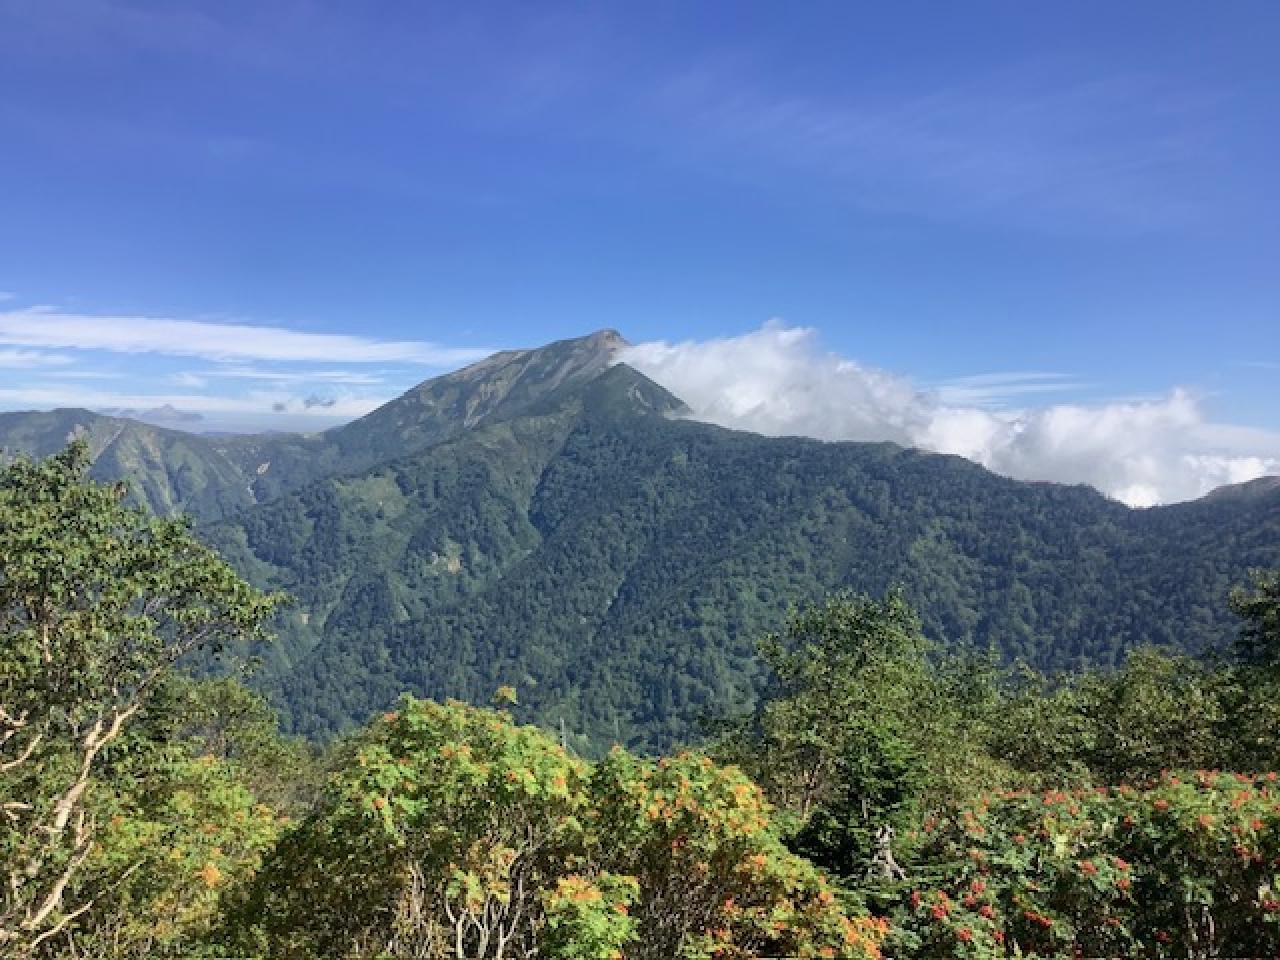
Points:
(715, 879)
(455, 833)
(179, 840)
(1184, 866)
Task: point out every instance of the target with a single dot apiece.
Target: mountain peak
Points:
(608, 337)
(495, 388)
(515, 378)
(503, 386)
(593, 351)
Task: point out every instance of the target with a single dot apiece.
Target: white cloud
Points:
(47, 328)
(776, 381)
(24, 359)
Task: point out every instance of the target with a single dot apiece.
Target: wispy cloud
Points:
(347, 377)
(1000, 389)
(75, 374)
(26, 359)
(189, 380)
(1027, 143)
(48, 328)
(777, 381)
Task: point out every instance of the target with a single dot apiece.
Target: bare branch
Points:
(23, 757)
(53, 899)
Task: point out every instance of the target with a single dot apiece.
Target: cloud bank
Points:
(777, 381)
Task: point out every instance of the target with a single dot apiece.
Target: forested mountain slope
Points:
(618, 565)
(169, 471)
(542, 519)
(210, 477)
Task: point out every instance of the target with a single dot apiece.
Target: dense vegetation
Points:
(886, 796)
(617, 566)
(534, 521)
(97, 604)
(988, 811)
(456, 833)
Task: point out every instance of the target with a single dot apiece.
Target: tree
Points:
(1251, 691)
(861, 727)
(174, 839)
(220, 717)
(189, 798)
(98, 602)
(1157, 712)
(1259, 607)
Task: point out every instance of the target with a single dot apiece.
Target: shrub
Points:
(454, 833)
(715, 880)
(1184, 866)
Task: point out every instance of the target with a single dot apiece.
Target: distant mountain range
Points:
(546, 518)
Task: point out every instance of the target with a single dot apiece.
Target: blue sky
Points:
(1008, 206)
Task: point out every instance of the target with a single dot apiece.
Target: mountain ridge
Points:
(617, 564)
(221, 474)
(554, 519)
(226, 472)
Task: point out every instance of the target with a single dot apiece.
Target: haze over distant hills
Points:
(541, 518)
